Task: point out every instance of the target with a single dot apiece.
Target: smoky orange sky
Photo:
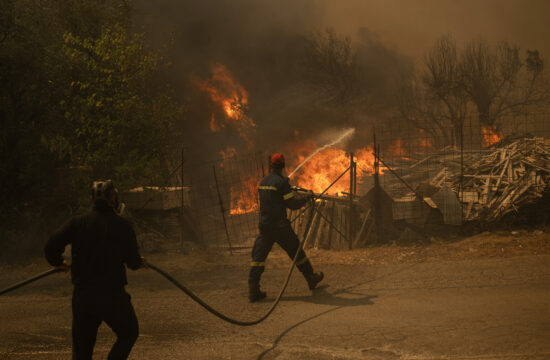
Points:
(409, 26)
(260, 43)
(412, 26)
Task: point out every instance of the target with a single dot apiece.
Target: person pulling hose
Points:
(102, 244)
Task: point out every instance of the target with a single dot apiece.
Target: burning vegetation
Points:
(230, 102)
(111, 107)
(226, 93)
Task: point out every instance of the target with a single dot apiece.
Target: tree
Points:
(356, 76)
(435, 101)
(51, 126)
(491, 82)
(114, 121)
(331, 66)
(499, 83)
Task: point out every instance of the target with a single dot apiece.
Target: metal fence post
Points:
(222, 209)
(351, 182)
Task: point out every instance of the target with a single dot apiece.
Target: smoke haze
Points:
(413, 25)
(262, 44)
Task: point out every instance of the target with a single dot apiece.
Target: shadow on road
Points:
(321, 296)
(280, 337)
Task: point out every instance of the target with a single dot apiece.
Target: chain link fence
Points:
(223, 198)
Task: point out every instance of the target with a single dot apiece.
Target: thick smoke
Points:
(268, 45)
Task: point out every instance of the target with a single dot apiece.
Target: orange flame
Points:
(322, 169)
(245, 200)
(233, 100)
(228, 153)
(317, 174)
(426, 144)
(424, 141)
(490, 136)
(397, 148)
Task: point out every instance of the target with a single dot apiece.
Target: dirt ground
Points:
(481, 297)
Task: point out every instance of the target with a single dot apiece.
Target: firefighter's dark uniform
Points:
(101, 244)
(275, 197)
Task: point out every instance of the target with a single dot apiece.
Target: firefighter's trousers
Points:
(90, 308)
(288, 240)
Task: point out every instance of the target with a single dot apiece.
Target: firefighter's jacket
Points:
(101, 244)
(275, 197)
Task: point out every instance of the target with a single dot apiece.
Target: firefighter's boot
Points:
(314, 279)
(307, 270)
(254, 292)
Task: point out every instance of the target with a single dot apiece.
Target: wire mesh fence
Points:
(224, 202)
(476, 173)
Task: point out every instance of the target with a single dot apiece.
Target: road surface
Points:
(484, 308)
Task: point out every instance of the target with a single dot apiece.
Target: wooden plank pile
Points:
(504, 179)
(495, 181)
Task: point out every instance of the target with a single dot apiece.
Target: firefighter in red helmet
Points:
(276, 196)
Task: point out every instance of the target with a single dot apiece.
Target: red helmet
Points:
(278, 160)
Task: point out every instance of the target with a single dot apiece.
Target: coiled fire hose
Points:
(195, 297)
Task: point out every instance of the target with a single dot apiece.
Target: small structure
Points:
(157, 198)
(162, 216)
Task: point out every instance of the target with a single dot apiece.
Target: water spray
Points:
(344, 135)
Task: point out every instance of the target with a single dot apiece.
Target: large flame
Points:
(227, 93)
(325, 167)
(245, 200)
(490, 135)
(316, 174)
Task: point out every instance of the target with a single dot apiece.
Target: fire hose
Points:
(28, 281)
(195, 297)
(189, 292)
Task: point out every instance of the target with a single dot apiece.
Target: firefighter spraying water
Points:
(276, 196)
(344, 135)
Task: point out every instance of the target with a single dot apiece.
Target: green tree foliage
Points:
(114, 121)
(79, 99)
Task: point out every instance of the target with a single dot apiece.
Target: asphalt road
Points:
(495, 308)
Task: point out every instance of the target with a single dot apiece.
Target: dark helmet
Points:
(277, 161)
(102, 190)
